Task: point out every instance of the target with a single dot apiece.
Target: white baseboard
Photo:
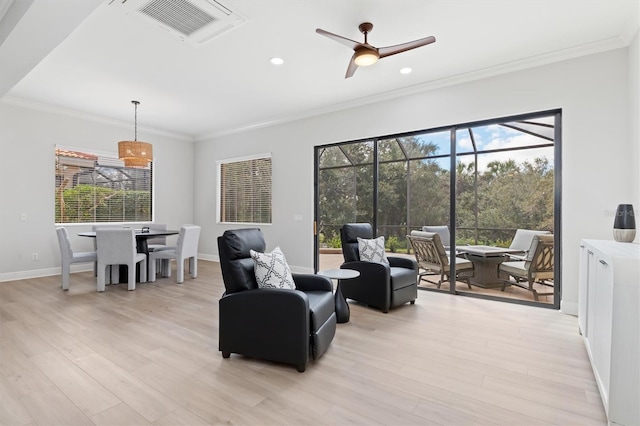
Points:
(210, 257)
(569, 308)
(47, 272)
(39, 273)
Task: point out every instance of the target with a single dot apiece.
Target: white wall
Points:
(596, 168)
(634, 119)
(27, 139)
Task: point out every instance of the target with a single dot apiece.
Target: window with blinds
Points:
(96, 188)
(245, 190)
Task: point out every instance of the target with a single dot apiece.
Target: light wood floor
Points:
(150, 356)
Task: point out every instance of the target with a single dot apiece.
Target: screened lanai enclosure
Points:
(483, 180)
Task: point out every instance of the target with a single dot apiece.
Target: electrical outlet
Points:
(23, 217)
(34, 256)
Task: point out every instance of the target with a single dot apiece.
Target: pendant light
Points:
(135, 153)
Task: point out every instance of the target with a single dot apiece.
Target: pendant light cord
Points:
(135, 131)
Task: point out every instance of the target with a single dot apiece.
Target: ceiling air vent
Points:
(196, 21)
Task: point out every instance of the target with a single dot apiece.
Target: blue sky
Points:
(489, 138)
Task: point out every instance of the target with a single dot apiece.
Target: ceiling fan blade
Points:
(399, 48)
(351, 69)
(347, 42)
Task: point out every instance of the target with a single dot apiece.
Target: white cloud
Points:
(495, 137)
(465, 143)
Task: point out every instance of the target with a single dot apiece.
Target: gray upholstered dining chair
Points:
(94, 228)
(118, 247)
(67, 256)
(187, 248)
(159, 242)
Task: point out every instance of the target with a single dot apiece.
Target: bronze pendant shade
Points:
(135, 153)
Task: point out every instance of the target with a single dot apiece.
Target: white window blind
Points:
(97, 187)
(245, 190)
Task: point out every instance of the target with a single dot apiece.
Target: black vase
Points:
(624, 226)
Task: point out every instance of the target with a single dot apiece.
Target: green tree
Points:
(413, 190)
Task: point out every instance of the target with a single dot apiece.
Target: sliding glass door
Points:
(504, 183)
(504, 176)
(344, 194)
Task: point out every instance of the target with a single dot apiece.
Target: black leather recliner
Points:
(289, 326)
(379, 285)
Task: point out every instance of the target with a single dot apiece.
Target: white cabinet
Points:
(609, 320)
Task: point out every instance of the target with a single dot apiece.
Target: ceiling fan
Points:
(366, 54)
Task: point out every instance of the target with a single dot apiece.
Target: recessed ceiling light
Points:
(406, 70)
(276, 61)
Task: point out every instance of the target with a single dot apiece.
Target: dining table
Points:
(142, 236)
(142, 246)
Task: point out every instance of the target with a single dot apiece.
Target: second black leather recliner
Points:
(379, 285)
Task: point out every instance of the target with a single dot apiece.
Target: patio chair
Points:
(522, 241)
(432, 258)
(536, 267)
(443, 231)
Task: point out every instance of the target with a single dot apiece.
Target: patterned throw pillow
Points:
(272, 270)
(372, 250)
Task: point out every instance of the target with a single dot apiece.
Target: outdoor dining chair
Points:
(536, 267)
(432, 258)
(443, 231)
(522, 241)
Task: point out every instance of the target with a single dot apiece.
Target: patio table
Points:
(486, 263)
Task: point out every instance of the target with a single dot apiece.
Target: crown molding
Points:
(585, 49)
(38, 106)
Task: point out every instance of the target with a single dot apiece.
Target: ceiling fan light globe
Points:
(366, 57)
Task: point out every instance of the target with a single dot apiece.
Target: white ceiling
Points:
(228, 84)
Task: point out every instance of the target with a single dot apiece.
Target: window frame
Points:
(219, 195)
